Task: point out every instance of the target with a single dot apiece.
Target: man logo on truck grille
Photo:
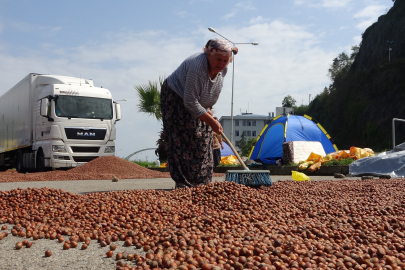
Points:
(85, 133)
(88, 134)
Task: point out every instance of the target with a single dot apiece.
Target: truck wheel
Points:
(41, 161)
(19, 163)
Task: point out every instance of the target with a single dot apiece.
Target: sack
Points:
(297, 176)
(358, 153)
(288, 152)
(315, 166)
(369, 151)
(163, 165)
(355, 152)
(327, 158)
(314, 157)
(305, 165)
(229, 160)
(342, 155)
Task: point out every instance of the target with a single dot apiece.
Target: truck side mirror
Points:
(44, 107)
(118, 111)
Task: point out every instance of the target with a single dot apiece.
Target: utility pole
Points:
(309, 99)
(233, 73)
(389, 50)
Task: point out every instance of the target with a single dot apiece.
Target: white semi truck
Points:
(55, 122)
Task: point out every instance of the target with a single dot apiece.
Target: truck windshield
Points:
(83, 107)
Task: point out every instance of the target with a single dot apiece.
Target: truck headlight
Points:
(58, 148)
(109, 149)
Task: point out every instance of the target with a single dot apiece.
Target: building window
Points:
(249, 123)
(237, 143)
(244, 123)
(254, 123)
(236, 132)
(254, 133)
(237, 123)
(248, 133)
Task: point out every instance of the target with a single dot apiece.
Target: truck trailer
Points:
(50, 122)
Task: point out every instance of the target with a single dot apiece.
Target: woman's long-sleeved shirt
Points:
(192, 82)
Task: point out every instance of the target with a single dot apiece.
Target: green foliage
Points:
(149, 97)
(355, 52)
(338, 65)
(301, 110)
(366, 91)
(245, 145)
(291, 164)
(360, 110)
(288, 101)
(250, 144)
(341, 162)
(372, 132)
(145, 164)
(341, 64)
(229, 165)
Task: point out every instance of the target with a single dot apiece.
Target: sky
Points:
(120, 44)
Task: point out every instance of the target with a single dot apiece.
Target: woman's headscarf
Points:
(221, 46)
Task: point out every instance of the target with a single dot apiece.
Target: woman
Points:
(186, 98)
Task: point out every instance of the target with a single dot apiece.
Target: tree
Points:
(149, 97)
(301, 110)
(246, 145)
(355, 52)
(341, 64)
(161, 150)
(288, 101)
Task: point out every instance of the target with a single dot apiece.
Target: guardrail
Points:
(393, 130)
(134, 153)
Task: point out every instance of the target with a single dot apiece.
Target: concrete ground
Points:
(88, 186)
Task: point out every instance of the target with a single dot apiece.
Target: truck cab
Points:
(72, 122)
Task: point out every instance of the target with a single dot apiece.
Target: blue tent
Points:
(227, 151)
(269, 144)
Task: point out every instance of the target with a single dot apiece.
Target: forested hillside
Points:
(367, 89)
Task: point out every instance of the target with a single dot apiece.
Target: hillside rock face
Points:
(359, 110)
(374, 49)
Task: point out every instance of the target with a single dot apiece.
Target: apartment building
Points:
(251, 124)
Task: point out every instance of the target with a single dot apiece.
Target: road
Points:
(88, 186)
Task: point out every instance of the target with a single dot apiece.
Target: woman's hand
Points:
(214, 124)
(235, 50)
(216, 127)
(209, 111)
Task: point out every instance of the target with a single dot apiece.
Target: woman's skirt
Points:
(189, 141)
